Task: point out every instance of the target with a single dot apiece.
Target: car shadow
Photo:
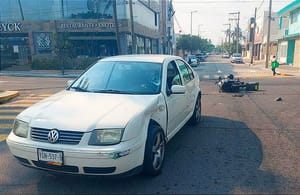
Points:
(219, 156)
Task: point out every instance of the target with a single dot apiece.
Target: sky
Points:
(209, 16)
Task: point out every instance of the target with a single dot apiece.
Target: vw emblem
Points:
(53, 136)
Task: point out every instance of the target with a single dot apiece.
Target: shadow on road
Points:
(221, 156)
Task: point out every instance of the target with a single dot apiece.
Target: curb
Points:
(46, 75)
(7, 95)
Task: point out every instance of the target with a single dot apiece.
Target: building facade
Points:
(82, 28)
(289, 39)
(261, 35)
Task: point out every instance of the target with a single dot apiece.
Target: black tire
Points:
(196, 117)
(154, 151)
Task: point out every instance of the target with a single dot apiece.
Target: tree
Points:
(62, 48)
(194, 43)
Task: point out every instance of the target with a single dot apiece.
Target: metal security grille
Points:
(65, 137)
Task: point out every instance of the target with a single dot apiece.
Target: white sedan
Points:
(113, 119)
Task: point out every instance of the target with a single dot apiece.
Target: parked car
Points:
(192, 60)
(236, 58)
(201, 57)
(115, 118)
(225, 55)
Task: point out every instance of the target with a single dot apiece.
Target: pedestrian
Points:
(274, 65)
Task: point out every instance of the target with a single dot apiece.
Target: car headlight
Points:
(20, 128)
(106, 137)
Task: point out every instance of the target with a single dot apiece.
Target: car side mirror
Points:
(69, 83)
(178, 89)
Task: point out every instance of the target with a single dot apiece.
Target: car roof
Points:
(158, 58)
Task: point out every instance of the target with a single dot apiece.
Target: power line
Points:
(260, 4)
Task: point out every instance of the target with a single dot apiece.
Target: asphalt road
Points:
(248, 143)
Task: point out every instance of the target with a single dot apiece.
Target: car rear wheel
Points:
(196, 117)
(154, 151)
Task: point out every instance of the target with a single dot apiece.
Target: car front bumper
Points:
(237, 60)
(77, 159)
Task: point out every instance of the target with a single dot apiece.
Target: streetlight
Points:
(192, 21)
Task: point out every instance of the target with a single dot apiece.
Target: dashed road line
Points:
(20, 105)
(5, 111)
(5, 117)
(9, 111)
(3, 137)
(5, 126)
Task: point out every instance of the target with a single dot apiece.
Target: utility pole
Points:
(253, 38)
(133, 37)
(192, 21)
(269, 32)
(0, 46)
(62, 9)
(116, 26)
(21, 10)
(238, 34)
(199, 29)
(238, 29)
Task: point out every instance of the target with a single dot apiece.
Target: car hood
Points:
(81, 111)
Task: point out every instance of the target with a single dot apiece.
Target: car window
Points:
(121, 77)
(173, 76)
(184, 71)
(190, 72)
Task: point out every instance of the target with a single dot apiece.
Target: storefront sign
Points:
(42, 42)
(81, 25)
(10, 27)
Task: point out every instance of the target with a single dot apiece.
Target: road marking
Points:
(5, 117)
(11, 110)
(5, 126)
(45, 95)
(18, 105)
(3, 137)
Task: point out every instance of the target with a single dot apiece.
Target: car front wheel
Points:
(154, 151)
(196, 117)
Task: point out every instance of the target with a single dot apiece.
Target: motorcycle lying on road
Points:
(232, 85)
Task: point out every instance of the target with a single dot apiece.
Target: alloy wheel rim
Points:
(198, 110)
(158, 151)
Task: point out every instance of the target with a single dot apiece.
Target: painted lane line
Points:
(11, 111)
(5, 126)
(5, 117)
(3, 137)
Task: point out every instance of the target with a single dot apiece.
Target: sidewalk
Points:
(258, 69)
(43, 73)
(7, 95)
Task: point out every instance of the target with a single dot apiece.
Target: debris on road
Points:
(238, 95)
(278, 99)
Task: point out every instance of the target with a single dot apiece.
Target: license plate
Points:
(51, 157)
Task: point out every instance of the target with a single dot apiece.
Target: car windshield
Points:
(237, 55)
(192, 57)
(120, 77)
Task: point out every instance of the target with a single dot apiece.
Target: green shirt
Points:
(275, 64)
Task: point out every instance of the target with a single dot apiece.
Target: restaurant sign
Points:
(10, 27)
(86, 26)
